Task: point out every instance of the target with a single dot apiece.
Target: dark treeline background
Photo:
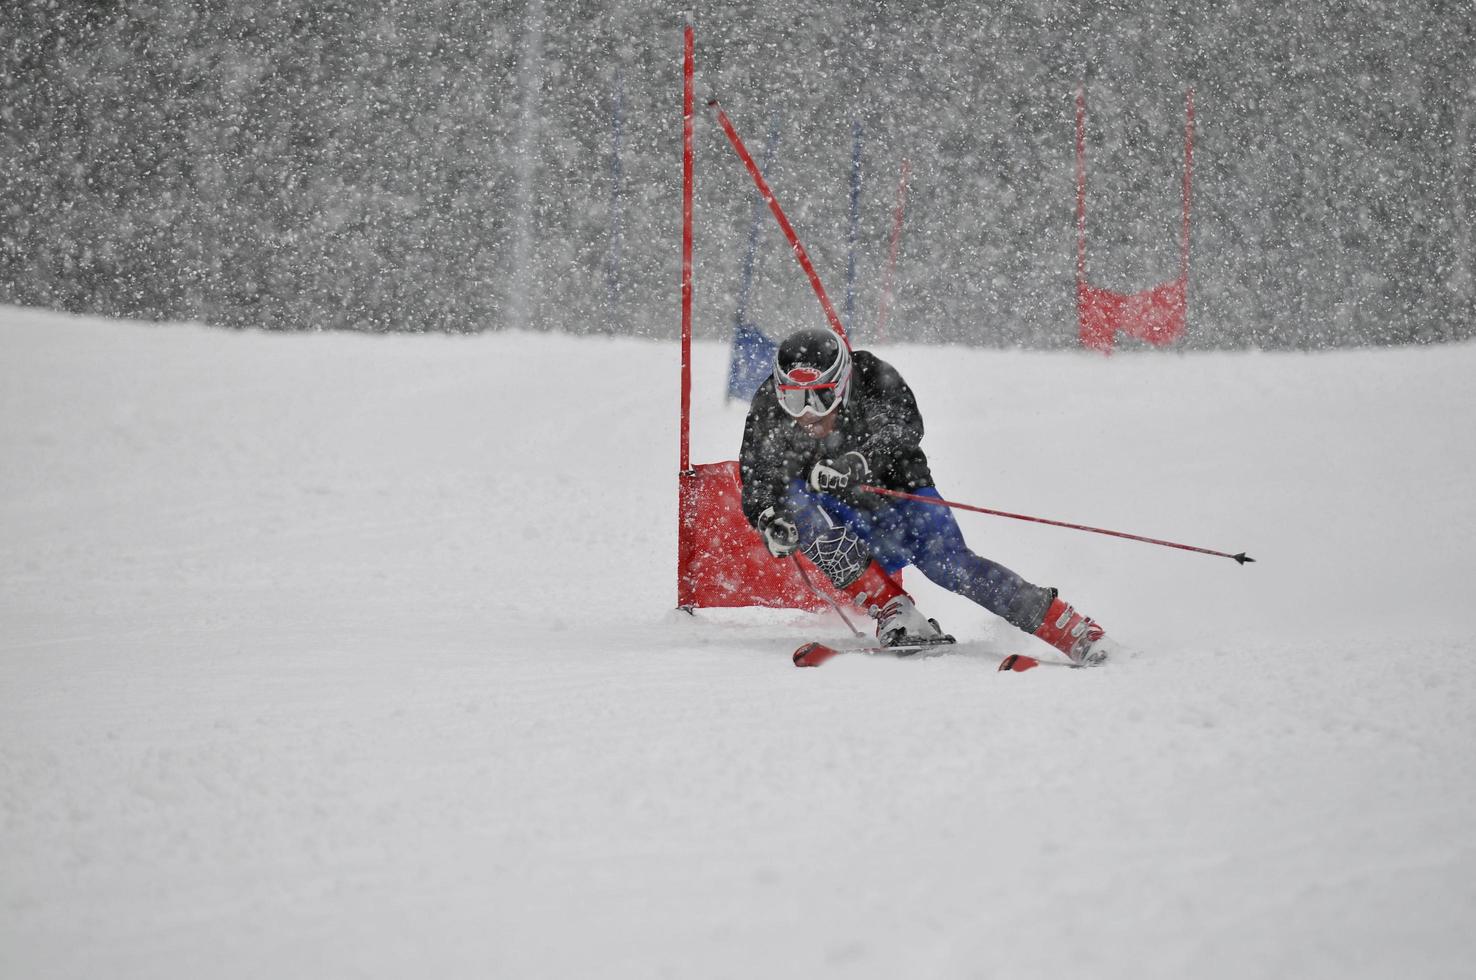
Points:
(451, 165)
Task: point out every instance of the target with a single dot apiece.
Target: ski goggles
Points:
(805, 390)
(817, 398)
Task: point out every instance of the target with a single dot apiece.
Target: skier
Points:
(827, 421)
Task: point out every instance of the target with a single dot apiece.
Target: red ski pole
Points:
(1242, 558)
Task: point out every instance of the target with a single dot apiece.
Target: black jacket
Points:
(880, 420)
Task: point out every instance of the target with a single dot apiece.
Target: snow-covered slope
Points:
(327, 655)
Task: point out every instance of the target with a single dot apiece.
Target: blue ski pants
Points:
(905, 532)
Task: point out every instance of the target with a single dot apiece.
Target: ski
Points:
(1020, 662)
(814, 654)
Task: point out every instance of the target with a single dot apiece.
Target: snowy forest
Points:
(451, 165)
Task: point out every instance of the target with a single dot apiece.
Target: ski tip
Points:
(1018, 662)
(1242, 558)
(813, 654)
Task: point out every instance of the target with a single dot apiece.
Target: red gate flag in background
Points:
(1158, 315)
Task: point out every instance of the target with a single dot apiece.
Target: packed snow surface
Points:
(344, 655)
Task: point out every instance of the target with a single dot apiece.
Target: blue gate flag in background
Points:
(753, 359)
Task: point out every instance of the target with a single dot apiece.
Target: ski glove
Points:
(781, 533)
(829, 475)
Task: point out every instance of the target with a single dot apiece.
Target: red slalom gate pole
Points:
(687, 183)
(800, 254)
(1188, 183)
(1242, 558)
(686, 476)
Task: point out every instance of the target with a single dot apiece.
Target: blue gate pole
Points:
(855, 224)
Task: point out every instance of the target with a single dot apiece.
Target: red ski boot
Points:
(1073, 634)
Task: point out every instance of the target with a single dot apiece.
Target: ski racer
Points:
(829, 420)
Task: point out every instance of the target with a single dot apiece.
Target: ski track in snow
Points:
(339, 655)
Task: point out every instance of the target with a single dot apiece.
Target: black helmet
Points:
(812, 372)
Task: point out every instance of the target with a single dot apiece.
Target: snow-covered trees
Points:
(355, 164)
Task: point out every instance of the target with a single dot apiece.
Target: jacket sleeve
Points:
(761, 461)
(892, 416)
